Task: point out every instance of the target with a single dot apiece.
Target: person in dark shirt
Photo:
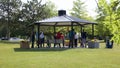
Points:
(32, 39)
(83, 39)
(71, 37)
(42, 39)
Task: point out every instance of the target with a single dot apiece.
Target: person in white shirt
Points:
(75, 39)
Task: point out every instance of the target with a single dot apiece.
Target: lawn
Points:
(11, 56)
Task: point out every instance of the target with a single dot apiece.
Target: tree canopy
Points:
(79, 10)
(108, 18)
(15, 16)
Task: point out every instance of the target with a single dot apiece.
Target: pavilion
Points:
(63, 20)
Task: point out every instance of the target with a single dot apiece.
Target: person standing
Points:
(32, 39)
(37, 39)
(62, 37)
(42, 39)
(58, 36)
(71, 37)
(83, 38)
(76, 38)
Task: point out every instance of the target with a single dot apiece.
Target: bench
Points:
(55, 42)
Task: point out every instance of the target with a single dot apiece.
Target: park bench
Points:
(55, 42)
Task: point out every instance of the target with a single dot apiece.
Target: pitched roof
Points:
(64, 20)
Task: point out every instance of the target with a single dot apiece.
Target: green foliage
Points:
(49, 11)
(79, 10)
(16, 16)
(34, 11)
(9, 14)
(109, 18)
(31, 12)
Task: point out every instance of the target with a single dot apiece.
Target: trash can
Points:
(93, 44)
(24, 44)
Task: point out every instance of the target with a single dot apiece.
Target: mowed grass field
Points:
(11, 56)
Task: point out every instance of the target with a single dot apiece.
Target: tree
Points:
(49, 11)
(79, 10)
(31, 12)
(9, 10)
(17, 16)
(109, 17)
(34, 10)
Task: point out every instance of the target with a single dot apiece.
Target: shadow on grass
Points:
(39, 49)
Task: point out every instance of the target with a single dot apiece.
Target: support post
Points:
(33, 37)
(93, 30)
(81, 29)
(72, 33)
(38, 28)
(80, 38)
(54, 30)
(54, 35)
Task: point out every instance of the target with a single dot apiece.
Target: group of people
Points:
(58, 37)
(40, 41)
(73, 39)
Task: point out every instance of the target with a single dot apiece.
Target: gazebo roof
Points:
(63, 20)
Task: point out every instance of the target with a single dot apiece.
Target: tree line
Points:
(16, 16)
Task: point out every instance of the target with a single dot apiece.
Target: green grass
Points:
(11, 56)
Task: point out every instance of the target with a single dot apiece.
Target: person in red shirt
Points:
(62, 36)
(58, 35)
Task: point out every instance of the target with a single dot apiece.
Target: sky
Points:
(68, 4)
